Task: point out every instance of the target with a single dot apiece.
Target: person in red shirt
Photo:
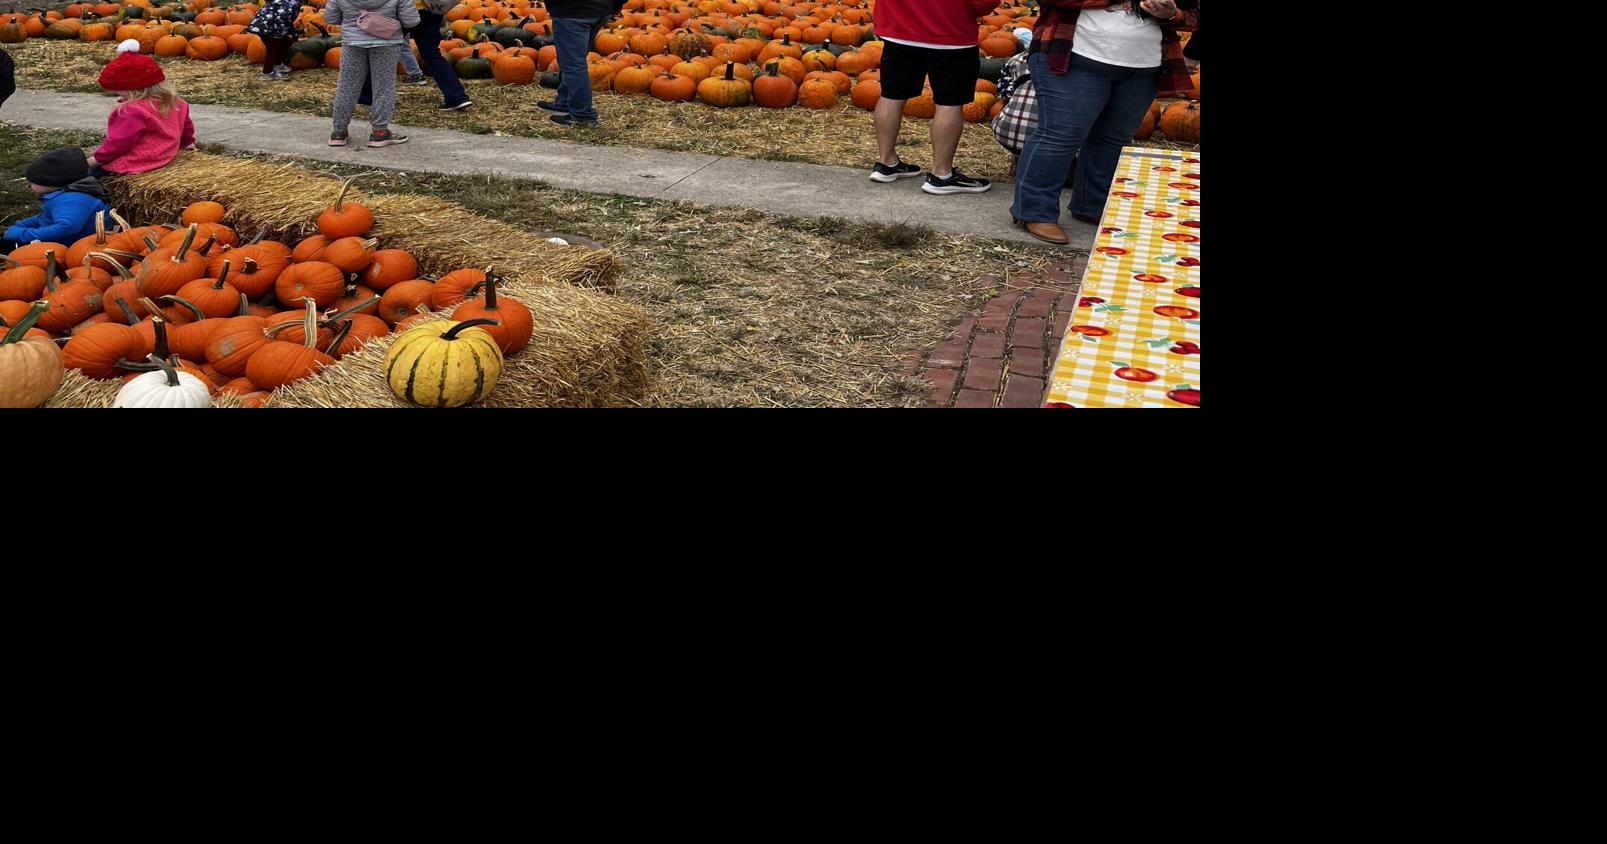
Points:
(936, 39)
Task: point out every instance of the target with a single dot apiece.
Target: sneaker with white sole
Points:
(455, 106)
(385, 138)
(338, 139)
(416, 80)
(957, 182)
(886, 175)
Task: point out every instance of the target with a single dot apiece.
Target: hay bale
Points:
(587, 351)
(284, 200)
(78, 390)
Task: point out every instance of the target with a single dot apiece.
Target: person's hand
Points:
(92, 162)
(1163, 9)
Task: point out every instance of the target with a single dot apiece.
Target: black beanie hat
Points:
(59, 167)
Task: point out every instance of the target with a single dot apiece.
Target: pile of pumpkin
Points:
(723, 54)
(194, 30)
(186, 312)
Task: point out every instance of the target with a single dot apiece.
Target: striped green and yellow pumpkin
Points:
(444, 364)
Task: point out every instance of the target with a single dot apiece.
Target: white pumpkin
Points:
(166, 387)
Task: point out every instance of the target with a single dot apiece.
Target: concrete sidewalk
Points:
(806, 190)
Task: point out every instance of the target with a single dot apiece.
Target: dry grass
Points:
(754, 310)
(844, 137)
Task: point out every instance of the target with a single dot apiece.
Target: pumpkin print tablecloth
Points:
(1134, 340)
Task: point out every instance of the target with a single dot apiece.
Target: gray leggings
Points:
(377, 65)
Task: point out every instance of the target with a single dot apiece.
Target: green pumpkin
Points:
(992, 68)
(311, 50)
(473, 67)
(136, 12)
(515, 35)
(550, 80)
(837, 49)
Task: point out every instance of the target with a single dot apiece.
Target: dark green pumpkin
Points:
(514, 35)
(137, 12)
(312, 48)
(992, 68)
(473, 67)
(545, 39)
(836, 49)
(550, 80)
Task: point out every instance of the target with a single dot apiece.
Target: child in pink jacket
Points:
(150, 123)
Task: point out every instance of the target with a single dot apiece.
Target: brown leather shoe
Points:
(1046, 232)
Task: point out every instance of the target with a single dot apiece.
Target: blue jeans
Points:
(1094, 110)
(574, 37)
(428, 37)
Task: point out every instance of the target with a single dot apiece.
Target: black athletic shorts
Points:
(953, 72)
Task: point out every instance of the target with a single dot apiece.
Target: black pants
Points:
(276, 50)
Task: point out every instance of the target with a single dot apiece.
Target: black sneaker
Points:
(337, 139)
(885, 174)
(416, 81)
(549, 105)
(385, 138)
(957, 182)
(455, 106)
(571, 120)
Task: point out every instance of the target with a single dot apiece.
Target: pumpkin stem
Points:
(122, 271)
(133, 318)
(51, 270)
(344, 186)
(150, 243)
(167, 368)
(100, 228)
(211, 240)
(10, 260)
(121, 223)
(223, 275)
(361, 306)
(17, 331)
(185, 304)
(245, 306)
(271, 296)
(161, 335)
(251, 266)
(340, 337)
(490, 292)
(309, 323)
(730, 71)
(462, 326)
(184, 248)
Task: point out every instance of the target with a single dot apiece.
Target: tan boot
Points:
(1046, 232)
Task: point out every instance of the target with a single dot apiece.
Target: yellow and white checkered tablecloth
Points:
(1134, 340)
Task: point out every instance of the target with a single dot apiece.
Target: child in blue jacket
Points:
(70, 196)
